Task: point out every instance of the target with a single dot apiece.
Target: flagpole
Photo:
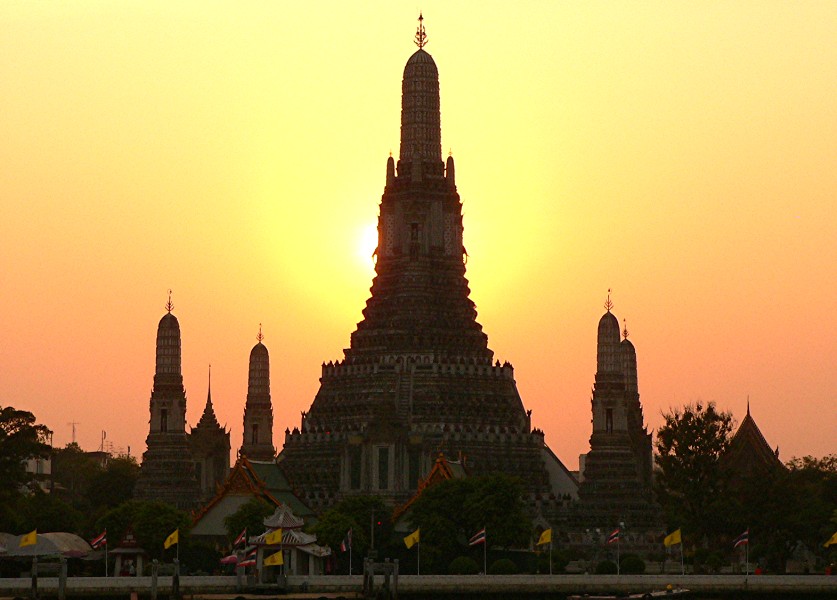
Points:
(550, 553)
(618, 570)
(682, 564)
(106, 556)
(485, 555)
(747, 554)
(418, 557)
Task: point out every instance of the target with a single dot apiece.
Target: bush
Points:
(606, 567)
(560, 560)
(463, 565)
(502, 566)
(631, 564)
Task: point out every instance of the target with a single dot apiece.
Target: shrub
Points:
(463, 565)
(631, 564)
(502, 566)
(606, 567)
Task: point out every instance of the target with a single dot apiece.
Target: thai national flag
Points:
(347, 541)
(613, 537)
(744, 538)
(478, 538)
(241, 539)
(100, 540)
(250, 559)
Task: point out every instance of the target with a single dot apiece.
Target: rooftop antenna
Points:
(73, 425)
(421, 36)
(608, 304)
(169, 304)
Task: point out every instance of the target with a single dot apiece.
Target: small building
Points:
(248, 479)
(301, 553)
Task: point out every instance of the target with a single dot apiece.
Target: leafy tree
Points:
(450, 512)
(690, 480)
(114, 484)
(250, 515)
(46, 512)
(152, 523)
(20, 438)
(790, 508)
(73, 470)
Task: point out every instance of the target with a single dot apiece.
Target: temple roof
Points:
(283, 518)
(749, 453)
(442, 470)
(260, 479)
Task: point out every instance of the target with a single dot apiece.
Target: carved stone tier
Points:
(418, 377)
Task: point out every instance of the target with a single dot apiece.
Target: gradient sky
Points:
(683, 154)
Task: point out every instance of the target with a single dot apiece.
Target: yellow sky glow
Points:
(680, 153)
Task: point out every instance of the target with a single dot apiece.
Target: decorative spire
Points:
(209, 386)
(169, 304)
(608, 304)
(260, 337)
(625, 329)
(421, 36)
(748, 405)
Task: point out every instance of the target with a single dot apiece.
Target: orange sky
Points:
(680, 153)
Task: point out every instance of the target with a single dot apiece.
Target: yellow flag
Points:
(274, 559)
(30, 539)
(412, 539)
(546, 537)
(171, 540)
(672, 539)
(831, 541)
(274, 537)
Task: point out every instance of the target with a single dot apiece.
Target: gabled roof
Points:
(443, 470)
(749, 453)
(259, 479)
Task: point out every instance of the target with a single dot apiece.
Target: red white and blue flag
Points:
(744, 538)
(478, 538)
(250, 559)
(347, 541)
(241, 539)
(100, 540)
(613, 537)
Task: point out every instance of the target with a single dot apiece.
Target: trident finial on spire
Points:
(421, 36)
(169, 304)
(608, 305)
(260, 337)
(625, 330)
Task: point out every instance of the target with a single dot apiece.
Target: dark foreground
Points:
(436, 587)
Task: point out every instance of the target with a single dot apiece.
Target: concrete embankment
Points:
(436, 586)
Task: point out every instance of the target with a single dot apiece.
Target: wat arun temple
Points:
(419, 379)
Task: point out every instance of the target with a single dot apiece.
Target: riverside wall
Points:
(786, 586)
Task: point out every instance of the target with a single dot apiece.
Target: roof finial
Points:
(260, 337)
(748, 405)
(169, 304)
(608, 304)
(421, 36)
(625, 330)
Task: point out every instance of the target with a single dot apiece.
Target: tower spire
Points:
(625, 328)
(421, 36)
(169, 304)
(260, 337)
(608, 304)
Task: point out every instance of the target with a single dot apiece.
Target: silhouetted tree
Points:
(690, 479)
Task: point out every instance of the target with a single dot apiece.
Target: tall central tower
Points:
(418, 376)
